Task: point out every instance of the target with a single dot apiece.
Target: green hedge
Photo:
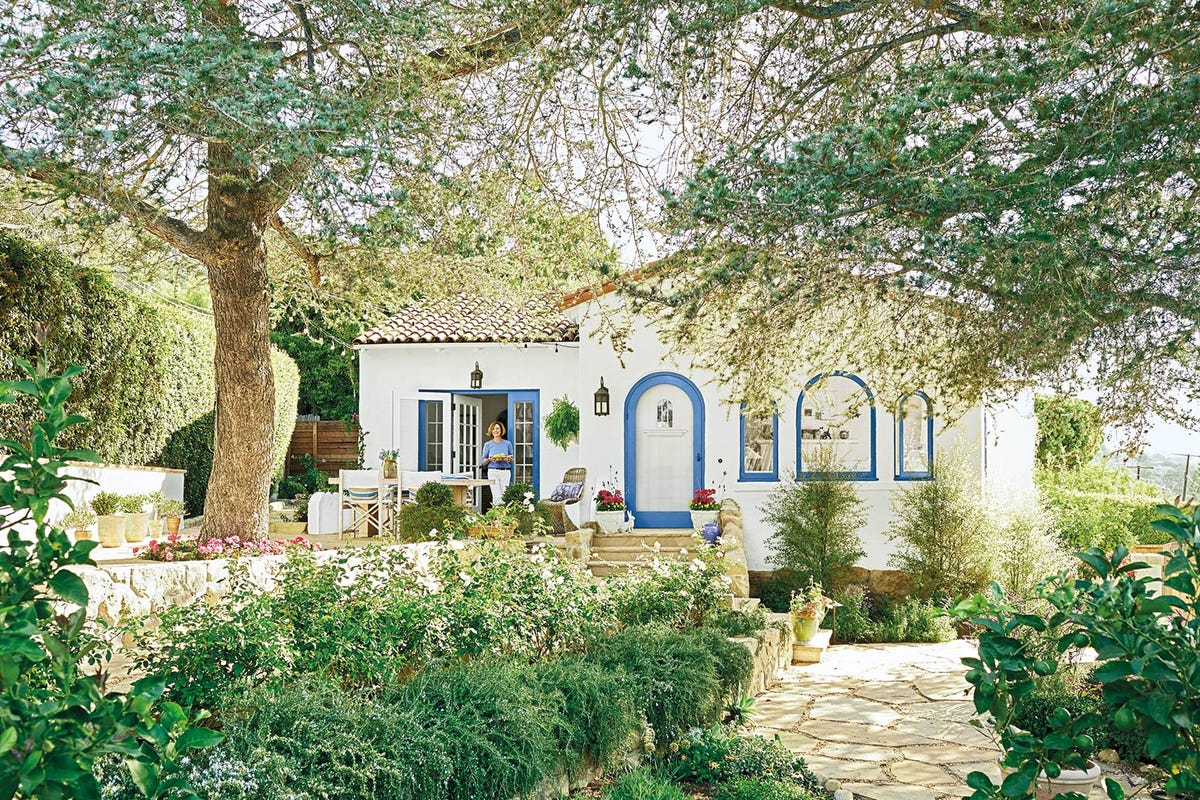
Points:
(1100, 506)
(147, 386)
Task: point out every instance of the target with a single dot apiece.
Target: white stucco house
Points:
(670, 428)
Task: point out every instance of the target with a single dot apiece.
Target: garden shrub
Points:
(434, 494)
(515, 493)
(671, 591)
(395, 613)
(675, 676)
(717, 755)
(730, 622)
(289, 488)
(1069, 432)
(644, 784)
(758, 789)
(815, 524)
(417, 523)
(1100, 506)
(866, 618)
(597, 715)
(1031, 550)
(944, 538)
(775, 589)
(147, 386)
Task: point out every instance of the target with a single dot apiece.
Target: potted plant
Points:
(704, 507)
(610, 510)
(137, 518)
(79, 521)
(807, 609)
(1146, 662)
(389, 458)
(562, 423)
(500, 522)
(172, 511)
(110, 526)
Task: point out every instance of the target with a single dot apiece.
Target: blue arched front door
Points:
(664, 449)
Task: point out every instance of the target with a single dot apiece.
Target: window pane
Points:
(836, 417)
(759, 453)
(433, 437)
(914, 429)
(522, 439)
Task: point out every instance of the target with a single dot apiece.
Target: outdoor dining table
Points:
(460, 487)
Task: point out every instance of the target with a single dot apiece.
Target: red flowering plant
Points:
(704, 500)
(179, 548)
(607, 500)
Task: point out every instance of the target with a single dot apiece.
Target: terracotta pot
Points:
(610, 521)
(805, 628)
(110, 530)
(700, 518)
(82, 534)
(173, 524)
(137, 527)
(389, 469)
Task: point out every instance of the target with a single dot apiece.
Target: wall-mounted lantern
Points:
(602, 400)
(477, 377)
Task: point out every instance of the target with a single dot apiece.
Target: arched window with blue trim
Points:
(760, 447)
(835, 415)
(914, 437)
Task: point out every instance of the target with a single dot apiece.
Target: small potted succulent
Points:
(79, 521)
(137, 518)
(807, 609)
(172, 511)
(610, 510)
(388, 458)
(704, 508)
(110, 526)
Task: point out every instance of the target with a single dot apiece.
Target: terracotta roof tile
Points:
(468, 318)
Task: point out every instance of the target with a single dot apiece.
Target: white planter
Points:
(110, 529)
(1069, 780)
(700, 518)
(137, 527)
(610, 521)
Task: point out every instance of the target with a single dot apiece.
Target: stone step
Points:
(675, 540)
(746, 603)
(812, 652)
(605, 570)
(635, 553)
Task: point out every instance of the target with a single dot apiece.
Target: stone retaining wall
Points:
(772, 652)
(733, 543)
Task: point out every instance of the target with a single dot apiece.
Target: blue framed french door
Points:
(664, 449)
(524, 431)
(441, 434)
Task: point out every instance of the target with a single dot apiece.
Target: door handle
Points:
(699, 456)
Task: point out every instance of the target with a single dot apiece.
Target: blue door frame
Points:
(662, 519)
(514, 396)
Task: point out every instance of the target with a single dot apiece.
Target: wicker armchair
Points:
(558, 509)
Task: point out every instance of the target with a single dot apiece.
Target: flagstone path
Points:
(889, 721)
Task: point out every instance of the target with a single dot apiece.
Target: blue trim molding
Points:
(662, 519)
(914, 475)
(761, 476)
(862, 475)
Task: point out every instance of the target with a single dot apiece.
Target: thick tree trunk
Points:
(239, 489)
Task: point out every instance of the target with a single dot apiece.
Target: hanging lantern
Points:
(602, 400)
(477, 377)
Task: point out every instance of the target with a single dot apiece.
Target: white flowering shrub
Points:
(677, 590)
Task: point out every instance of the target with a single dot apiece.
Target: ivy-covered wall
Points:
(147, 386)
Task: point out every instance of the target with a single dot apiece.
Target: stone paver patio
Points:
(889, 721)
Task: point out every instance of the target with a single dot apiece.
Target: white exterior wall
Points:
(576, 370)
(602, 438)
(398, 372)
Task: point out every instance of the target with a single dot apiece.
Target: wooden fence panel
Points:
(332, 444)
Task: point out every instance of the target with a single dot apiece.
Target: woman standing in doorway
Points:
(498, 458)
